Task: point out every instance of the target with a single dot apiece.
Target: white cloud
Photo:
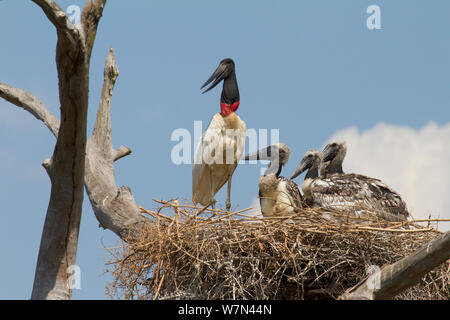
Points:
(416, 163)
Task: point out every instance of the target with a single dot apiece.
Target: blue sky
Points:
(307, 68)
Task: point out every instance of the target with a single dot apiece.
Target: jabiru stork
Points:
(221, 145)
(277, 195)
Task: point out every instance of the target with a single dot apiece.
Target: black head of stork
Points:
(311, 160)
(229, 100)
(334, 149)
(332, 158)
(278, 155)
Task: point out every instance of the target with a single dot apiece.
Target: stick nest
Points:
(189, 252)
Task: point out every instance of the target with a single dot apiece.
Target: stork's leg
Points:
(211, 186)
(228, 202)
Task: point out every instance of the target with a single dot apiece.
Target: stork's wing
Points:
(201, 187)
(210, 157)
(293, 192)
(356, 193)
(208, 139)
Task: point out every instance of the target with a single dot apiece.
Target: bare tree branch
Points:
(30, 103)
(58, 17)
(47, 164)
(90, 16)
(115, 208)
(102, 128)
(395, 278)
(121, 152)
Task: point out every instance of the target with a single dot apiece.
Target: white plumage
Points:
(280, 197)
(225, 136)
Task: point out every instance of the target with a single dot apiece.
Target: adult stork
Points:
(332, 158)
(222, 144)
(277, 195)
(352, 194)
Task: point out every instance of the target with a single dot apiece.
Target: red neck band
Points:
(226, 109)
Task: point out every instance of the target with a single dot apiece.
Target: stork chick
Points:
(277, 195)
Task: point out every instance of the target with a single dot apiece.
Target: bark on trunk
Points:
(59, 239)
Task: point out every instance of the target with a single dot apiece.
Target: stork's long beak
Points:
(304, 165)
(217, 76)
(329, 153)
(262, 154)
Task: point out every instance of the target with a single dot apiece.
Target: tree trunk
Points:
(59, 239)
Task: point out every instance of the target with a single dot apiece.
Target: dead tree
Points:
(69, 167)
(115, 208)
(65, 168)
(77, 161)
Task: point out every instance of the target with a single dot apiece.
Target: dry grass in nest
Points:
(196, 253)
